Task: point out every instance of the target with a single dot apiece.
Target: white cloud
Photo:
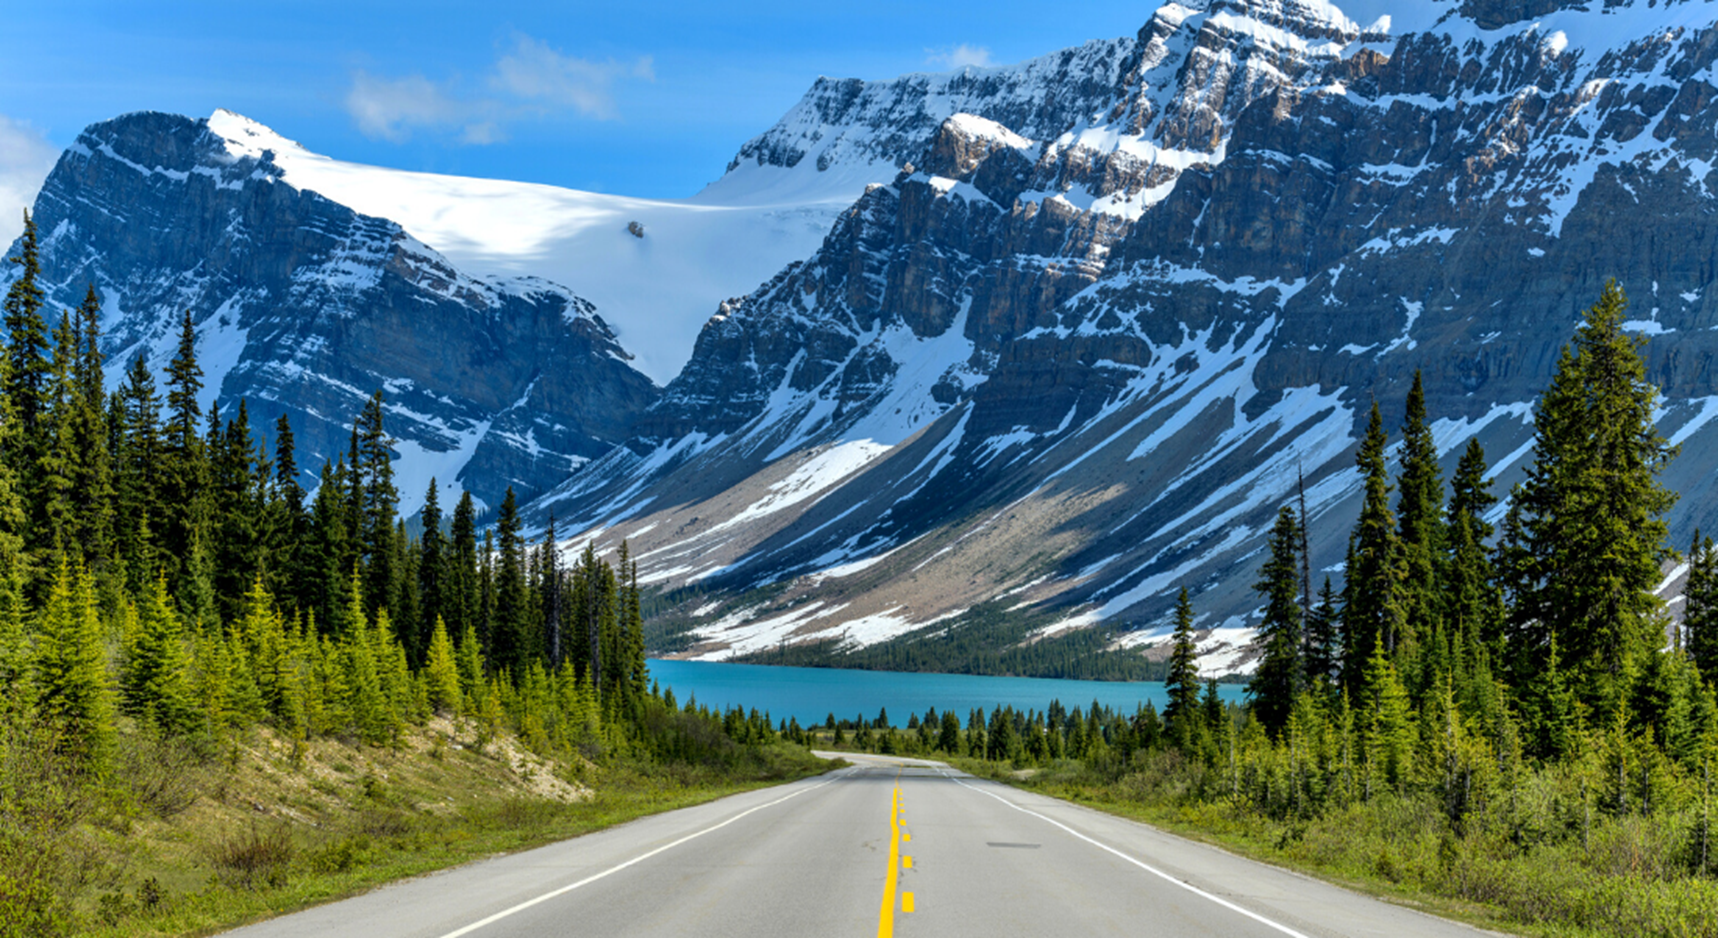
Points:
(533, 71)
(390, 108)
(959, 57)
(529, 80)
(26, 157)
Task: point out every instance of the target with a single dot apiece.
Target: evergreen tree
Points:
(1372, 607)
(157, 683)
(137, 476)
(1278, 680)
(432, 563)
(460, 581)
(1420, 533)
(1588, 521)
(376, 504)
(288, 521)
(1700, 612)
(28, 386)
(1475, 601)
(511, 647)
(1389, 734)
(1323, 640)
(1182, 681)
(90, 467)
(52, 526)
(442, 671)
(184, 470)
(73, 689)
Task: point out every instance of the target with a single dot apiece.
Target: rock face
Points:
(1128, 299)
(305, 307)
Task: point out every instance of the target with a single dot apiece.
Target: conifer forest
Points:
(169, 590)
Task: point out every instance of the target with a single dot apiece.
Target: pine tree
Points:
(137, 474)
(1588, 525)
(73, 689)
(510, 648)
(1372, 592)
(1700, 609)
(28, 385)
(1389, 729)
(1323, 639)
(1277, 682)
(1182, 681)
(376, 504)
(52, 525)
(185, 470)
(1420, 533)
(366, 698)
(550, 589)
(460, 580)
(432, 564)
(158, 668)
(90, 469)
(442, 671)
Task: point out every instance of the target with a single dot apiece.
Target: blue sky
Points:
(642, 97)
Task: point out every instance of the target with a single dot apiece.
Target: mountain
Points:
(1123, 301)
(314, 282)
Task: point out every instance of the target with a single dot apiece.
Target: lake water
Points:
(811, 694)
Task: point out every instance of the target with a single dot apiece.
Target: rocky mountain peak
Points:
(304, 307)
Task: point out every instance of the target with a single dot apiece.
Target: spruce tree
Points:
(1588, 527)
(73, 689)
(1700, 609)
(1419, 511)
(1389, 732)
(1278, 680)
(1372, 591)
(442, 671)
(460, 589)
(28, 386)
(1323, 639)
(90, 469)
(158, 668)
(184, 471)
(377, 503)
(511, 648)
(1182, 681)
(137, 474)
(432, 564)
(52, 525)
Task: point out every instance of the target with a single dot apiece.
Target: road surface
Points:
(886, 847)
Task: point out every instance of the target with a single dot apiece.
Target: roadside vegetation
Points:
(223, 697)
(1514, 734)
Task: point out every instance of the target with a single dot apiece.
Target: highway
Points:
(885, 847)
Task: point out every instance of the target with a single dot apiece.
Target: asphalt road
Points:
(885, 847)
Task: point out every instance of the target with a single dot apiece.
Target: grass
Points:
(1623, 880)
(263, 827)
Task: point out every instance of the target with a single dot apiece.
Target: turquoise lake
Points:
(811, 694)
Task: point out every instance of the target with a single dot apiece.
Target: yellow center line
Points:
(886, 916)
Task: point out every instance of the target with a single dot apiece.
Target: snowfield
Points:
(656, 290)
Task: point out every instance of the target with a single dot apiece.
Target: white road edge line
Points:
(1136, 862)
(545, 897)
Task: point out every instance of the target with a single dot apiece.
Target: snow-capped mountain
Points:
(1122, 299)
(304, 307)
(314, 282)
